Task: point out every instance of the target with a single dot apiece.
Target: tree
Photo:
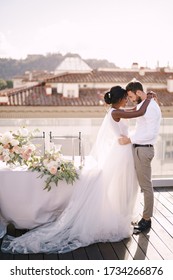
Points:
(3, 84)
(9, 84)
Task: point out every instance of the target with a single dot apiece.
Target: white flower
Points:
(6, 138)
(15, 147)
(23, 132)
(14, 142)
(45, 162)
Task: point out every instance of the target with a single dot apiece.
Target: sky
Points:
(120, 31)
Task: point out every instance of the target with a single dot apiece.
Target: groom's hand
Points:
(124, 140)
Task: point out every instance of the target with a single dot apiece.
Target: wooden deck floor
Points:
(157, 244)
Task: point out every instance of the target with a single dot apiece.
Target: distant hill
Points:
(12, 67)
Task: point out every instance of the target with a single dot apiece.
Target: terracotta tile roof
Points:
(165, 98)
(110, 77)
(6, 92)
(34, 76)
(36, 96)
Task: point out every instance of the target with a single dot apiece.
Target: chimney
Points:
(142, 71)
(30, 76)
(170, 84)
(48, 89)
(135, 66)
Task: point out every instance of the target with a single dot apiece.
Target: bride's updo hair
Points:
(115, 95)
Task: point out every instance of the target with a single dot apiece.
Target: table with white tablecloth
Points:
(25, 203)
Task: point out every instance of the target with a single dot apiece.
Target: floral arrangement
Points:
(54, 167)
(15, 147)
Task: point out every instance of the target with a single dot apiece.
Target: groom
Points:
(143, 139)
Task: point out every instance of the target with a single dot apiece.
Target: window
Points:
(70, 93)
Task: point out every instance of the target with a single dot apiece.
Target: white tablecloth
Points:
(24, 203)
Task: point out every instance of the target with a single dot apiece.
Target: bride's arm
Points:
(118, 114)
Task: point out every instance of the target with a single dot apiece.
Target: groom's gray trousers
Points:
(142, 158)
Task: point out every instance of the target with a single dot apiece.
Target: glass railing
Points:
(162, 163)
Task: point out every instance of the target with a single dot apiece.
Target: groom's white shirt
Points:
(147, 126)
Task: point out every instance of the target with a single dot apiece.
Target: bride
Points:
(101, 206)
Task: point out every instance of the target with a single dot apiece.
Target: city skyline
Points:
(120, 31)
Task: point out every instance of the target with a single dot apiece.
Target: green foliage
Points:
(3, 84)
(9, 84)
(10, 68)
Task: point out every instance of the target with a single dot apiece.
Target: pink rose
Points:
(25, 155)
(6, 146)
(53, 170)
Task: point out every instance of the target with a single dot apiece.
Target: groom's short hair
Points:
(134, 86)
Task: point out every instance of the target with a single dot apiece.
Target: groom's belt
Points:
(138, 145)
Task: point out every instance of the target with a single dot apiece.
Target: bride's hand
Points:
(124, 140)
(152, 94)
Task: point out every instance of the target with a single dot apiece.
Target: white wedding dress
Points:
(101, 206)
